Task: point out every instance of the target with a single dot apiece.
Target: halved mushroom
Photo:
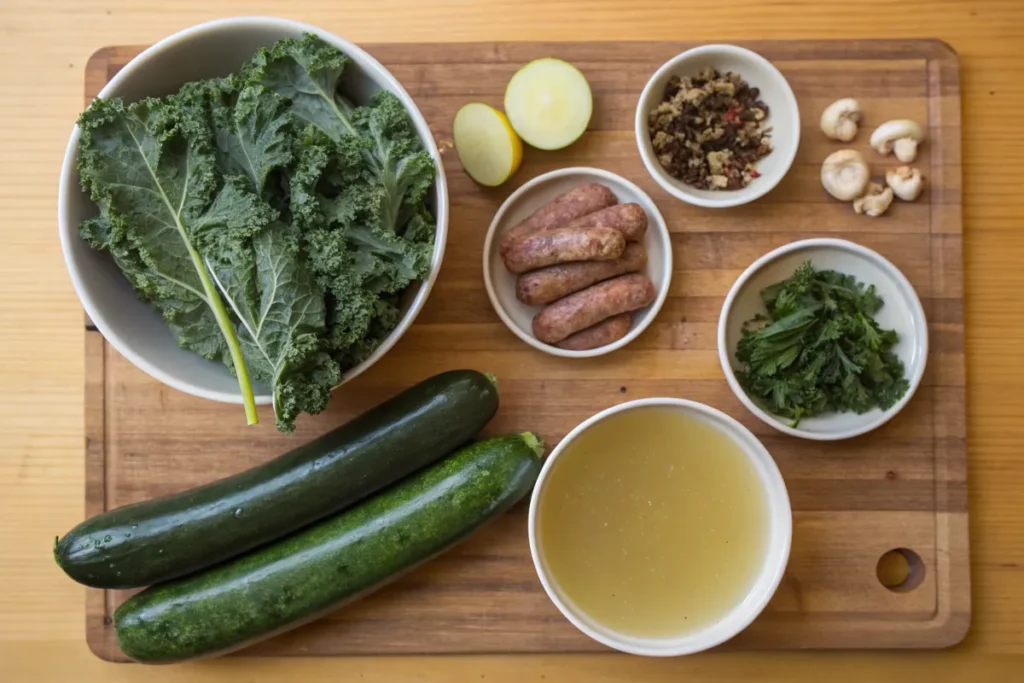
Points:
(906, 182)
(901, 136)
(845, 174)
(875, 202)
(839, 120)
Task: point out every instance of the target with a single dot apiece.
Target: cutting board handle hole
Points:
(900, 570)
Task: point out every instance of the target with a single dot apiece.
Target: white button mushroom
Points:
(845, 174)
(903, 135)
(905, 149)
(875, 202)
(906, 182)
(839, 120)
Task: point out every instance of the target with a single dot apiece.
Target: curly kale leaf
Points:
(175, 227)
(306, 72)
(357, 192)
(282, 320)
(820, 349)
(396, 169)
(403, 170)
(251, 129)
(148, 168)
(254, 141)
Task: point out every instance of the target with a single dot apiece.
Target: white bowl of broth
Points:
(660, 527)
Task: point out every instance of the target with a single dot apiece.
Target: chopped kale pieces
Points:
(819, 349)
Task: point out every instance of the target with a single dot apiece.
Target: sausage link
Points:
(561, 210)
(549, 284)
(564, 244)
(629, 219)
(592, 305)
(601, 334)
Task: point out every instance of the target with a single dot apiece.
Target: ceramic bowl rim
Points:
(920, 339)
(727, 199)
(774, 563)
(655, 222)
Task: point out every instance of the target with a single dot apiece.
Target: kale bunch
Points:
(272, 222)
(819, 349)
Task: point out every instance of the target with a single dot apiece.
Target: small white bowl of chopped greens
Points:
(253, 211)
(823, 339)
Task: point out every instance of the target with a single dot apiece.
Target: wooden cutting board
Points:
(901, 487)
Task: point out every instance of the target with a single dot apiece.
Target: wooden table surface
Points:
(42, 54)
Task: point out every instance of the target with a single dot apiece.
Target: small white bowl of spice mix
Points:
(717, 126)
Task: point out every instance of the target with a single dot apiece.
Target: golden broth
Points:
(653, 522)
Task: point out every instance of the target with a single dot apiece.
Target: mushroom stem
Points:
(906, 182)
(875, 202)
(905, 149)
(903, 134)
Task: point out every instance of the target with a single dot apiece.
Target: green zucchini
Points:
(302, 577)
(161, 539)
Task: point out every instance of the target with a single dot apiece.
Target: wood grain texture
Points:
(42, 364)
(901, 487)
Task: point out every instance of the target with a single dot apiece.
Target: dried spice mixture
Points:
(709, 131)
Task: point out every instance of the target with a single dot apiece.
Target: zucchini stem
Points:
(492, 378)
(534, 442)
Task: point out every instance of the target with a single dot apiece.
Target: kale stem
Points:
(213, 298)
(224, 322)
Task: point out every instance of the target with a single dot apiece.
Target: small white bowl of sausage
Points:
(577, 262)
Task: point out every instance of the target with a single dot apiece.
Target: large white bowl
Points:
(769, 575)
(783, 117)
(216, 48)
(901, 311)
